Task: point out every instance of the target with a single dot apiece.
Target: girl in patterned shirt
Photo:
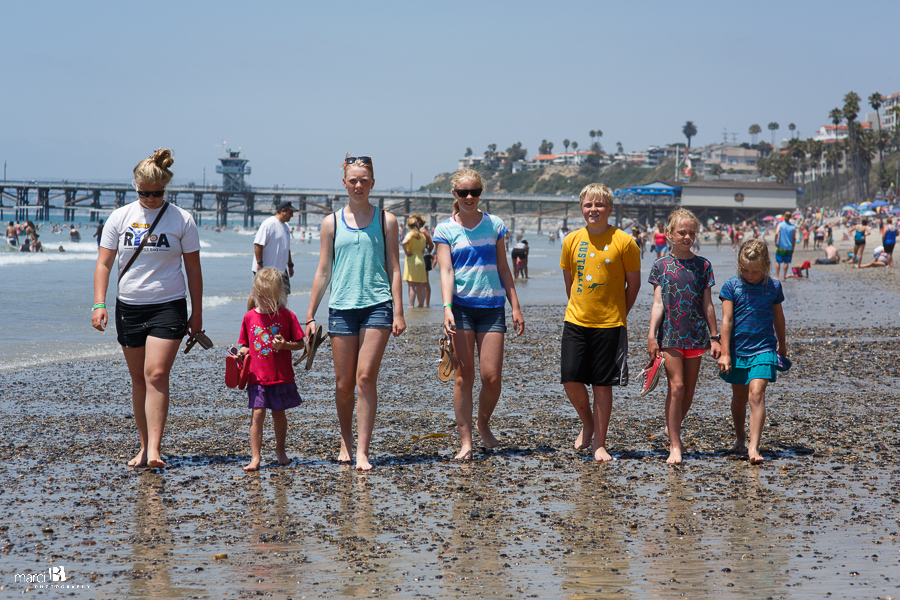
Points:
(682, 321)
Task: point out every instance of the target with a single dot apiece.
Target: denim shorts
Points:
(480, 319)
(351, 320)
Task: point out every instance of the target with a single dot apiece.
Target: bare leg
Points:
(757, 418)
(372, 343)
(602, 412)
(411, 287)
(581, 400)
(490, 357)
(739, 396)
(150, 415)
(674, 398)
(257, 421)
(279, 425)
(464, 348)
(134, 357)
(420, 295)
(344, 350)
(427, 291)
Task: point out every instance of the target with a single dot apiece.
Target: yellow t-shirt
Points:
(598, 264)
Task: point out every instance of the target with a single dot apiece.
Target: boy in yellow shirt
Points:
(602, 270)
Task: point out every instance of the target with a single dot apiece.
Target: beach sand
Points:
(533, 518)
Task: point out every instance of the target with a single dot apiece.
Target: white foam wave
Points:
(205, 244)
(34, 258)
(214, 301)
(225, 255)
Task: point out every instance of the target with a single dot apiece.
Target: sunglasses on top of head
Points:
(474, 192)
(145, 194)
(366, 160)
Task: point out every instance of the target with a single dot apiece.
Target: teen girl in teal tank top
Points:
(359, 278)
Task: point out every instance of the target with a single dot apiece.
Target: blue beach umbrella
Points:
(878, 204)
(867, 213)
(848, 207)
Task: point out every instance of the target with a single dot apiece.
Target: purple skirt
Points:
(276, 397)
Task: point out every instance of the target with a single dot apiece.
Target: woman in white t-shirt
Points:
(151, 307)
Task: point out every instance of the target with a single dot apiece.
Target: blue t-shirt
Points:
(754, 321)
(474, 256)
(682, 284)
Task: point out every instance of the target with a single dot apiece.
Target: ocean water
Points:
(47, 297)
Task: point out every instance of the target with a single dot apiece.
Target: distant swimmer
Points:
(12, 236)
(74, 235)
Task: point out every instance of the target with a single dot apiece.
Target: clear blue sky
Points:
(90, 88)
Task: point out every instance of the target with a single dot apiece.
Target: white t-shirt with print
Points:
(156, 275)
(275, 238)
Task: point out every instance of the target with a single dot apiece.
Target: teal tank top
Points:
(359, 279)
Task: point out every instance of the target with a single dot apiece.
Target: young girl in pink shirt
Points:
(269, 333)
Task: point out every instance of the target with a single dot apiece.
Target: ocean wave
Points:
(214, 301)
(46, 355)
(247, 254)
(34, 258)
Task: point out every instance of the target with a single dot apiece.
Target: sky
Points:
(91, 88)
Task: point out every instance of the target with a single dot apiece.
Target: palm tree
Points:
(875, 101)
(792, 127)
(619, 148)
(574, 146)
(773, 127)
(593, 134)
(816, 150)
(566, 143)
(851, 111)
(689, 130)
(755, 131)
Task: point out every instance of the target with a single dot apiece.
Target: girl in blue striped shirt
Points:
(475, 283)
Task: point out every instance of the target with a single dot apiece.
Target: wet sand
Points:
(534, 518)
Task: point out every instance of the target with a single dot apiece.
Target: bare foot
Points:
(140, 459)
(754, 455)
(740, 446)
(464, 455)
(283, 458)
(344, 454)
(601, 455)
(253, 465)
(155, 461)
(584, 439)
(487, 438)
(674, 456)
(362, 463)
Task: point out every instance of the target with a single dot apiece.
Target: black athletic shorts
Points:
(134, 322)
(594, 355)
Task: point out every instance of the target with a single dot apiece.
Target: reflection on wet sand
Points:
(152, 542)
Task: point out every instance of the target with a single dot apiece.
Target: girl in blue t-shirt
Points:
(753, 341)
(475, 284)
(682, 321)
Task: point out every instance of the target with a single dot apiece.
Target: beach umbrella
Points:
(848, 207)
(867, 213)
(896, 210)
(878, 204)
(769, 218)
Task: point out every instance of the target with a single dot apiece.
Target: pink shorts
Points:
(688, 353)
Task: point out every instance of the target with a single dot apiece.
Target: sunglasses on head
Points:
(158, 194)
(366, 160)
(474, 192)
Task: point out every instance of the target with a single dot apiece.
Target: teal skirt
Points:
(746, 368)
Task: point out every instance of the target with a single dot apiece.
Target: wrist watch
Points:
(717, 337)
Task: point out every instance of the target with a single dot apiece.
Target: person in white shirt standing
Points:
(272, 247)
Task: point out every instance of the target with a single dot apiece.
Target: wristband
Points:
(310, 321)
(98, 305)
(447, 305)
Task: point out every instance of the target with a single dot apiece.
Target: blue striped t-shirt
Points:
(474, 255)
(754, 320)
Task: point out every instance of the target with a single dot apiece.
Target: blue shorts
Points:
(660, 247)
(783, 256)
(480, 319)
(351, 320)
(745, 369)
